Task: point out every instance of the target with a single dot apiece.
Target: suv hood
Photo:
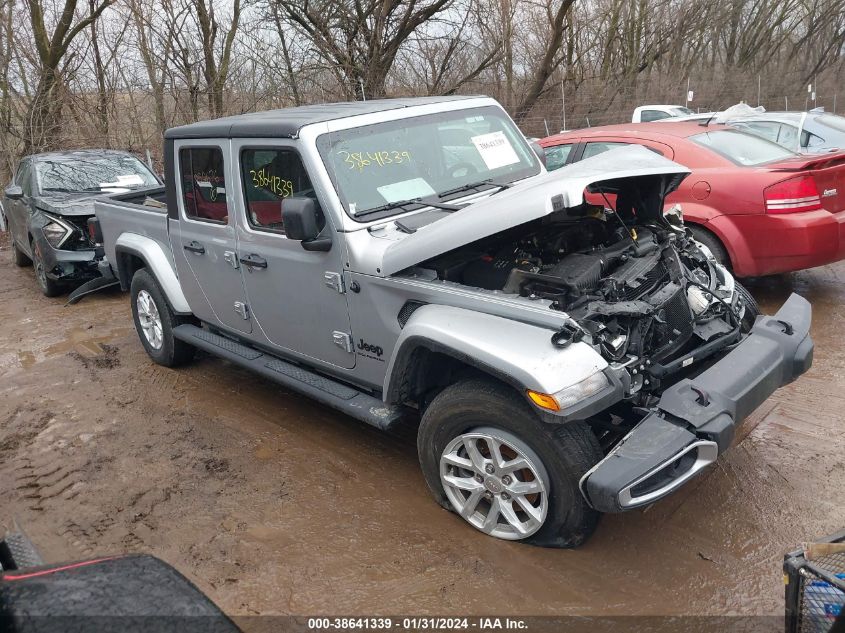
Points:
(69, 204)
(532, 199)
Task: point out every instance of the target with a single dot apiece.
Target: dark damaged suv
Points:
(47, 205)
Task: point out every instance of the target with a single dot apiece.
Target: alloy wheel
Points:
(150, 319)
(496, 483)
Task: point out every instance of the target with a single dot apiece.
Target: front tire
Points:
(487, 457)
(154, 321)
(752, 310)
(49, 287)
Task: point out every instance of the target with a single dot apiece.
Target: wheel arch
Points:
(439, 340)
(732, 240)
(422, 367)
(134, 252)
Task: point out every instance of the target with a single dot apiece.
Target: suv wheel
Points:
(49, 287)
(487, 457)
(752, 310)
(19, 258)
(155, 320)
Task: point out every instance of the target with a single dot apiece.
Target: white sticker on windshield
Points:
(495, 149)
(126, 180)
(406, 190)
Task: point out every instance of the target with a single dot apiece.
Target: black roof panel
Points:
(287, 122)
(70, 154)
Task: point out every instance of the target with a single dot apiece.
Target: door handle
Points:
(194, 247)
(254, 261)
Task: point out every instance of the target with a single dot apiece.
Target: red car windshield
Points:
(742, 149)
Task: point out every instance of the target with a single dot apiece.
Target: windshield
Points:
(105, 172)
(741, 148)
(434, 157)
(681, 111)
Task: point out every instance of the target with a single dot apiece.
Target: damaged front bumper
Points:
(67, 265)
(695, 419)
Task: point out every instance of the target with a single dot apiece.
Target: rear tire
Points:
(713, 243)
(479, 412)
(19, 258)
(154, 321)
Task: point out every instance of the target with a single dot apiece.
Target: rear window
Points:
(740, 148)
(594, 149)
(647, 116)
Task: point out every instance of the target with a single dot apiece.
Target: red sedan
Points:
(760, 208)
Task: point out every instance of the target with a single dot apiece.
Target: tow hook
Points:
(567, 335)
(787, 326)
(703, 399)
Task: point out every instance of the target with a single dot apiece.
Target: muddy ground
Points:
(273, 504)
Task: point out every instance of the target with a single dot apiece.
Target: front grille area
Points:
(673, 325)
(678, 316)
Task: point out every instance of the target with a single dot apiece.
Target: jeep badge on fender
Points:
(366, 347)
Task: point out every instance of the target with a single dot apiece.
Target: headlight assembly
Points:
(56, 232)
(571, 395)
(590, 386)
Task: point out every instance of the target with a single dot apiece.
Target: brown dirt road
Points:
(273, 504)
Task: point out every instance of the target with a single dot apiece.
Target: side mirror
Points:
(302, 223)
(538, 149)
(13, 192)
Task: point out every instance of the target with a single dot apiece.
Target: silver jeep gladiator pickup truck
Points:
(564, 346)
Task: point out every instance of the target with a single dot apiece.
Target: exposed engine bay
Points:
(643, 293)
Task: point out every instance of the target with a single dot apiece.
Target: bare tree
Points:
(361, 37)
(78, 73)
(215, 70)
(551, 56)
(44, 114)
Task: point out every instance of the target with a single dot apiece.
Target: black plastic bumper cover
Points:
(695, 418)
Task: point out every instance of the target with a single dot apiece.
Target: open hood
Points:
(635, 173)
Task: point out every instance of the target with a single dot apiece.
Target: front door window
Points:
(270, 177)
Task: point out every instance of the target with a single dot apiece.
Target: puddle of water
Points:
(26, 359)
(264, 452)
(86, 342)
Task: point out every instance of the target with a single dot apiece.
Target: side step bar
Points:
(357, 404)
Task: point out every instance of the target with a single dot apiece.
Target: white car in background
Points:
(648, 113)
